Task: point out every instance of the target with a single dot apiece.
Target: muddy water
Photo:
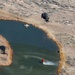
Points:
(30, 45)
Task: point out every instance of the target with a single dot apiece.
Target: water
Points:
(30, 45)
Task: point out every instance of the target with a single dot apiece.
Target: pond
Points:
(29, 45)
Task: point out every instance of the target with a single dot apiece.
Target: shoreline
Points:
(50, 36)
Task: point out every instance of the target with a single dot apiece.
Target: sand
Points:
(5, 59)
(60, 28)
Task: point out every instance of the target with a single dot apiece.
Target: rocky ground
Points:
(60, 27)
(5, 52)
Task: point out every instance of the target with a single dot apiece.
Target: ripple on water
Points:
(28, 50)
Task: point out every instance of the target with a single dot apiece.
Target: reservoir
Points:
(29, 45)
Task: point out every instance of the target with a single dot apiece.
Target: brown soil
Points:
(60, 28)
(5, 59)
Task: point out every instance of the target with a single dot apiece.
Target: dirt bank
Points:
(49, 34)
(5, 57)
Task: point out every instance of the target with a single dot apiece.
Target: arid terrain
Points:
(60, 28)
(5, 52)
